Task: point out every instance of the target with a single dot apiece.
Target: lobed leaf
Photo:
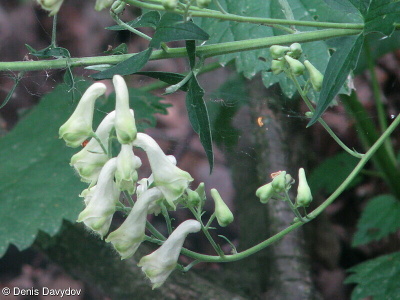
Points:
(380, 218)
(377, 278)
(381, 16)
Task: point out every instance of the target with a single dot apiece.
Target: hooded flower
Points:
(101, 4)
(101, 205)
(171, 180)
(127, 164)
(128, 237)
(158, 265)
(124, 120)
(79, 126)
(53, 6)
(89, 161)
(265, 192)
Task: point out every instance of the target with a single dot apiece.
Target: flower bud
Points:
(170, 4)
(79, 126)
(265, 192)
(295, 50)
(316, 76)
(279, 182)
(304, 196)
(222, 212)
(203, 3)
(296, 66)
(278, 51)
(125, 126)
(53, 6)
(277, 66)
(309, 114)
(193, 198)
(126, 175)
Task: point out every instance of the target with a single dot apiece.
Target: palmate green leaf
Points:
(126, 67)
(149, 19)
(377, 278)
(380, 218)
(198, 116)
(248, 62)
(329, 174)
(381, 16)
(172, 28)
(342, 62)
(38, 188)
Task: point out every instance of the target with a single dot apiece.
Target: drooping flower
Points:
(89, 161)
(79, 126)
(222, 212)
(127, 164)
(304, 197)
(53, 6)
(158, 265)
(265, 192)
(125, 126)
(128, 237)
(102, 4)
(100, 209)
(171, 180)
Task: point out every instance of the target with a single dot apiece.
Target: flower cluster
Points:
(109, 176)
(287, 59)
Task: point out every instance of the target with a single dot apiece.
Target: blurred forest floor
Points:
(81, 31)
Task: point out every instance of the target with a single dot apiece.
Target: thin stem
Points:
(206, 233)
(164, 212)
(287, 11)
(94, 135)
(378, 99)
(208, 13)
(127, 27)
(221, 9)
(129, 198)
(154, 231)
(189, 266)
(293, 208)
(320, 120)
(54, 32)
(205, 50)
(312, 215)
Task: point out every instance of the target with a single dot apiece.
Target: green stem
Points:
(127, 27)
(164, 212)
(205, 50)
(54, 32)
(378, 99)
(368, 135)
(293, 208)
(207, 13)
(312, 215)
(320, 120)
(154, 231)
(94, 135)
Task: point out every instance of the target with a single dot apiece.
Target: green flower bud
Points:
(316, 76)
(102, 4)
(309, 114)
(222, 211)
(278, 51)
(277, 66)
(304, 196)
(170, 4)
(265, 192)
(203, 3)
(295, 50)
(53, 6)
(279, 182)
(193, 198)
(296, 66)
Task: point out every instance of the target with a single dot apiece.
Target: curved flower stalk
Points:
(53, 6)
(79, 126)
(125, 126)
(158, 265)
(102, 4)
(171, 180)
(101, 206)
(128, 237)
(127, 164)
(89, 161)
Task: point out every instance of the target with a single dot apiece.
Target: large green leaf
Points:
(172, 28)
(248, 62)
(377, 278)
(341, 63)
(38, 188)
(126, 67)
(380, 218)
(381, 16)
